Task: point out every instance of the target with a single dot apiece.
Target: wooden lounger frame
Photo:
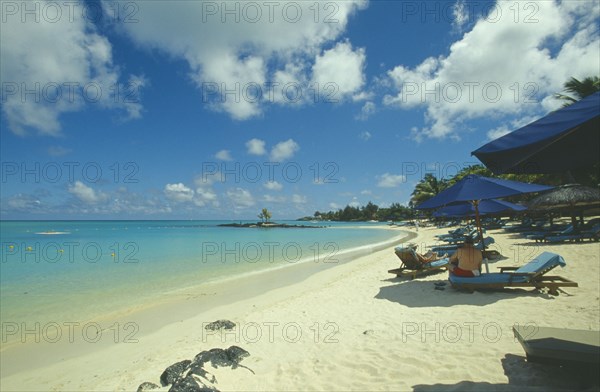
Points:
(537, 281)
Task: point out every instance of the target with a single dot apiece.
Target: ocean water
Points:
(65, 270)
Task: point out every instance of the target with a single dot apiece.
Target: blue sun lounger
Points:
(593, 235)
(452, 248)
(531, 274)
(543, 236)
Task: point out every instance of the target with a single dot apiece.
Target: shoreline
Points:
(179, 304)
(358, 328)
(111, 298)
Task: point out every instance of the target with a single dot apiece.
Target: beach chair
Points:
(559, 346)
(453, 233)
(531, 274)
(487, 241)
(413, 265)
(593, 235)
(461, 238)
(543, 235)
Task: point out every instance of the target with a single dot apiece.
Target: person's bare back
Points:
(466, 261)
(469, 258)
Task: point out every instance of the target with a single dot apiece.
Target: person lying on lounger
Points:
(430, 256)
(466, 261)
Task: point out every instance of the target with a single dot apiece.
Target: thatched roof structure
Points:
(572, 196)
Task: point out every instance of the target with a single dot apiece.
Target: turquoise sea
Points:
(64, 270)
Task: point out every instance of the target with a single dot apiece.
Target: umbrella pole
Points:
(478, 222)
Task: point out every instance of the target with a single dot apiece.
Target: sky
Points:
(215, 110)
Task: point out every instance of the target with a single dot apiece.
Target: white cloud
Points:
(298, 199)
(342, 68)
(498, 132)
(86, 201)
(206, 196)
(224, 155)
(58, 151)
(366, 192)
(203, 195)
(480, 79)
(460, 13)
(284, 150)
(208, 177)
(256, 147)
(362, 96)
(504, 129)
(274, 199)
(334, 206)
(23, 203)
(388, 180)
(240, 198)
(290, 82)
(273, 186)
(67, 64)
(366, 111)
(86, 194)
(179, 193)
(366, 135)
(243, 53)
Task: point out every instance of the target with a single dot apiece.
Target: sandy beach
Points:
(350, 327)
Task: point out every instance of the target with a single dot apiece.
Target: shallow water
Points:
(53, 271)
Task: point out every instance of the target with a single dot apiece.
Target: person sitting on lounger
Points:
(466, 261)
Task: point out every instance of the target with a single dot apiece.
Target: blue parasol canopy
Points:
(491, 206)
(474, 187)
(566, 139)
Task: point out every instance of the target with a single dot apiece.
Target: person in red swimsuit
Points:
(466, 261)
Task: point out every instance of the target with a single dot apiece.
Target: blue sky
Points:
(210, 110)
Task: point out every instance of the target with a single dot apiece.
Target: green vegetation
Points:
(579, 89)
(265, 215)
(394, 212)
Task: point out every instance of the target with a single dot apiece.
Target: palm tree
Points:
(428, 187)
(580, 89)
(266, 215)
(472, 169)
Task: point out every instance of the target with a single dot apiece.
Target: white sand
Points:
(351, 327)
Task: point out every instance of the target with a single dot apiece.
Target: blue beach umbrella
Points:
(566, 139)
(474, 188)
(491, 206)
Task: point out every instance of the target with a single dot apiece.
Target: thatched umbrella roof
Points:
(572, 196)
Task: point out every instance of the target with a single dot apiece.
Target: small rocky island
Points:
(265, 223)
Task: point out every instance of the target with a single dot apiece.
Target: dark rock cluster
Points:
(220, 324)
(191, 376)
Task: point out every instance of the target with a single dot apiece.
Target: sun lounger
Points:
(461, 238)
(531, 274)
(593, 235)
(543, 235)
(413, 265)
(452, 248)
(454, 233)
(559, 346)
